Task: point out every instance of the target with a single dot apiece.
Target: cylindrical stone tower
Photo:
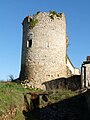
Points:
(43, 48)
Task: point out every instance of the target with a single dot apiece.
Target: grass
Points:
(11, 96)
(61, 94)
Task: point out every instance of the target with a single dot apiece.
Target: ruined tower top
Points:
(51, 14)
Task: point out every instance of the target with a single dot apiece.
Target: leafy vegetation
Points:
(11, 96)
(53, 13)
(33, 23)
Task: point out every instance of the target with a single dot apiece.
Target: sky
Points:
(12, 13)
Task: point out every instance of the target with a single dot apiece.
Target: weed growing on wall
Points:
(33, 23)
(53, 13)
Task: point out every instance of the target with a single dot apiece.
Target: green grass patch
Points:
(60, 94)
(11, 96)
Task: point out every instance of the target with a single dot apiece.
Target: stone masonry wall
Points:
(45, 59)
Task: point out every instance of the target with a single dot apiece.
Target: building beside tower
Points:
(85, 73)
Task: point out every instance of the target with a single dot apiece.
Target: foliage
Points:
(33, 23)
(53, 13)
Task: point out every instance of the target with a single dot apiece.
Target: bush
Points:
(52, 13)
(33, 23)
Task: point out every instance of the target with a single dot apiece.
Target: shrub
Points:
(33, 23)
(52, 13)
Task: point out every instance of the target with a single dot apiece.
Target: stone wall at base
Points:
(71, 83)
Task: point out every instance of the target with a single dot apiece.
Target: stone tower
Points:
(44, 48)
